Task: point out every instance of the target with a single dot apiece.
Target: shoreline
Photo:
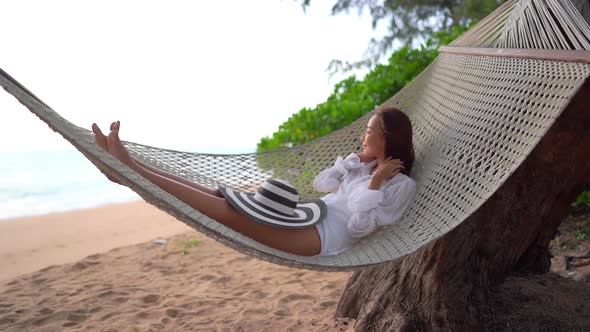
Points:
(31, 243)
(67, 210)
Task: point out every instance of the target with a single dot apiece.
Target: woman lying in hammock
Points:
(367, 190)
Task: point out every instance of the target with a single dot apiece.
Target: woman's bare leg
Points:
(302, 241)
(101, 140)
(210, 191)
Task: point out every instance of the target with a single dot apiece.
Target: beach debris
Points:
(160, 241)
(185, 245)
(583, 276)
(576, 261)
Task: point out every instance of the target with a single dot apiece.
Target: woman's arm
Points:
(329, 179)
(385, 171)
(374, 208)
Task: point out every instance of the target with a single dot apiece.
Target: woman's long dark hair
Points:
(397, 129)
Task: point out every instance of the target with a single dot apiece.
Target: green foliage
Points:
(353, 98)
(583, 199)
(408, 21)
(580, 235)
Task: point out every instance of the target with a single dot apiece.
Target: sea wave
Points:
(41, 182)
(33, 183)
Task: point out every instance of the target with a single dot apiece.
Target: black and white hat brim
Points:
(305, 214)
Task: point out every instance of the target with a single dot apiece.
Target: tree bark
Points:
(446, 285)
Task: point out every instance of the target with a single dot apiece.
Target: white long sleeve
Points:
(373, 208)
(329, 179)
(354, 210)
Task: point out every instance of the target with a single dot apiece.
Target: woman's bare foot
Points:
(100, 138)
(116, 148)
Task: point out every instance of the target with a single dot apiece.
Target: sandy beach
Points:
(31, 243)
(100, 270)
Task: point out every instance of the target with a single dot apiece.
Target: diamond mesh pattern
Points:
(475, 120)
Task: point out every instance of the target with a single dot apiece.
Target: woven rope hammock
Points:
(477, 112)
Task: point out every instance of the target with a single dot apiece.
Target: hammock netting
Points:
(476, 117)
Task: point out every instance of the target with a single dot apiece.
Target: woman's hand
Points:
(385, 171)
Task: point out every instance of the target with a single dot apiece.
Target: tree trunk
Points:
(446, 285)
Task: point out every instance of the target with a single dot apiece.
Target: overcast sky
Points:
(190, 75)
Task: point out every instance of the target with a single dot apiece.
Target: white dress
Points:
(354, 210)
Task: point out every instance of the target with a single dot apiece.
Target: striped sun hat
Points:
(277, 203)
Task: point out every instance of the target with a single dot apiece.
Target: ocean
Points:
(35, 183)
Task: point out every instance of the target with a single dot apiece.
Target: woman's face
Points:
(373, 140)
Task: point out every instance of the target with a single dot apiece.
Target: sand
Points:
(101, 270)
(32, 243)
